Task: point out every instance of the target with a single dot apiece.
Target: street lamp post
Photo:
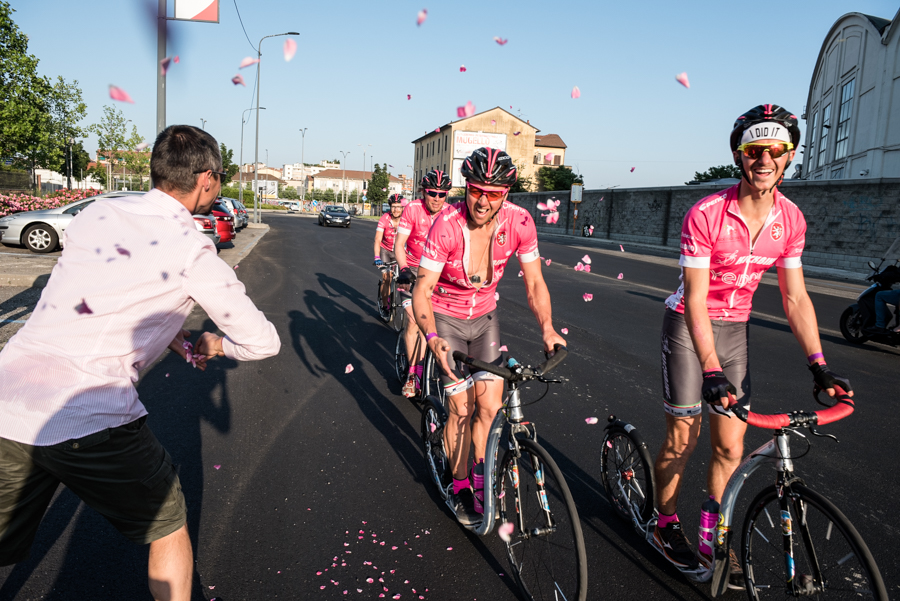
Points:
(203, 123)
(412, 179)
(303, 164)
(343, 176)
(256, 151)
(241, 170)
(364, 165)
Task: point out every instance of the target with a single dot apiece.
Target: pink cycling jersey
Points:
(386, 225)
(447, 252)
(715, 236)
(415, 222)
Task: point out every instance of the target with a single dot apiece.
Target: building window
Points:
(439, 145)
(843, 129)
(823, 138)
(556, 159)
(838, 173)
(811, 159)
(537, 158)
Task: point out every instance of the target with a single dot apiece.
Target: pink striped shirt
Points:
(130, 274)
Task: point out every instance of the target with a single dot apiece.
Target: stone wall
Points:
(849, 222)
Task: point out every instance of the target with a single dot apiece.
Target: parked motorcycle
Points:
(860, 316)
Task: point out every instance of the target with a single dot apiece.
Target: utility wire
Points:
(242, 24)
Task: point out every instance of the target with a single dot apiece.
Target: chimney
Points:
(528, 121)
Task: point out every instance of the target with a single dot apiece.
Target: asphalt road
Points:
(292, 467)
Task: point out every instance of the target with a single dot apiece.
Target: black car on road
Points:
(334, 215)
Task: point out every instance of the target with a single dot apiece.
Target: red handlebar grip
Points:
(771, 422)
(842, 409)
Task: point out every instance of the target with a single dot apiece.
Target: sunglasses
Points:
(222, 175)
(491, 195)
(775, 150)
(436, 194)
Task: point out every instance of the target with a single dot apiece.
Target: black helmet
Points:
(489, 166)
(436, 180)
(762, 114)
(395, 198)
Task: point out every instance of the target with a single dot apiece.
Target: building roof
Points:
(496, 108)
(549, 141)
(879, 23)
(349, 174)
(248, 177)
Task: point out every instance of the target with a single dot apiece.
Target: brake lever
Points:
(815, 432)
(548, 380)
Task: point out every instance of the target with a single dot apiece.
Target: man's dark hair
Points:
(180, 152)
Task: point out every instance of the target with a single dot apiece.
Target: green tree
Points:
(137, 161)
(67, 111)
(557, 178)
(720, 172)
(80, 161)
(378, 185)
(228, 165)
(98, 172)
(110, 134)
(288, 192)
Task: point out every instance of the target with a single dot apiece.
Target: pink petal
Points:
(177, 59)
(164, 65)
(409, 96)
(576, 93)
(493, 344)
(420, 18)
(123, 251)
(322, 587)
(554, 217)
(318, 573)
(591, 229)
(235, 266)
(565, 331)
(247, 62)
(632, 170)
(369, 580)
(588, 297)
(587, 268)
(516, 133)
(449, 548)
(521, 273)
(548, 157)
(465, 111)
(290, 49)
(682, 78)
(590, 420)
(579, 267)
(493, 122)
(505, 530)
(586, 259)
(621, 248)
(462, 68)
(167, 375)
(119, 94)
(237, 79)
(142, 146)
(211, 588)
(542, 206)
(437, 129)
(503, 349)
(500, 41)
(217, 466)
(496, 296)
(620, 276)
(82, 308)
(548, 261)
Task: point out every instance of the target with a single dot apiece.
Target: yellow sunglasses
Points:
(755, 150)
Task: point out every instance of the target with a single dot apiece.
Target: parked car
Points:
(41, 231)
(206, 224)
(240, 218)
(224, 222)
(353, 210)
(334, 215)
(242, 211)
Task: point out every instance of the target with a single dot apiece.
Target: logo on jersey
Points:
(777, 231)
(501, 238)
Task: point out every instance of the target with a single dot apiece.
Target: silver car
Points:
(240, 218)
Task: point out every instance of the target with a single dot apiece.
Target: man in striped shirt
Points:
(131, 271)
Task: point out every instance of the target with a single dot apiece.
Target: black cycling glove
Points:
(825, 378)
(716, 386)
(406, 276)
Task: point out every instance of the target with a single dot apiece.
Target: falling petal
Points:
(579, 267)
(500, 40)
(167, 375)
(420, 18)
(235, 266)
(290, 49)
(576, 93)
(620, 276)
(591, 229)
(587, 268)
(462, 68)
(177, 59)
(632, 170)
(318, 573)
(493, 344)
(217, 466)
(247, 62)
(465, 111)
(211, 588)
(548, 157)
(369, 580)
(521, 273)
(682, 78)
(449, 548)
(119, 94)
(554, 217)
(505, 530)
(542, 206)
(548, 261)
(496, 296)
(565, 331)
(591, 420)
(348, 369)
(237, 79)
(142, 146)
(164, 65)
(588, 297)
(503, 349)
(437, 129)
(586, 259)
(516, 133)
(123, 251)
(409, 96)
(82, 308)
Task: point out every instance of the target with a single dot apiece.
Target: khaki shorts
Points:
(124, 473)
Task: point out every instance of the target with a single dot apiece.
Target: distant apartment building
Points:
(349, 180)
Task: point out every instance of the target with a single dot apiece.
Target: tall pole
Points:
(160, 79)
(303, 163)
(203, 123)
(344, 175)
(256, 151)
(241, 170)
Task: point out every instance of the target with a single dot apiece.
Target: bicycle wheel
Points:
(399, 318)
(431, 375)
(626, 471)
(546, 546)
(830, 559)
(433, 420)
(401, 361)
(384, 313)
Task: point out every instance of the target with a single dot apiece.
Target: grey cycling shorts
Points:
(478, 338)
(387, 256)
(681, 373)
(406, 295)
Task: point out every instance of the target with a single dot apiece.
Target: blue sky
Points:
(357, 61)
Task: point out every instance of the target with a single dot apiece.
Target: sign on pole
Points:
(203, 11)
(577, 190)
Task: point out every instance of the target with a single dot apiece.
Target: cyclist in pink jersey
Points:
(411, 234)
(455, 306)
(385, 232)
(728, 241)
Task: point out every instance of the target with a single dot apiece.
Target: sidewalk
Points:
(29, 270)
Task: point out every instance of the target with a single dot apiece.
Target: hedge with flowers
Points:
(16, 203)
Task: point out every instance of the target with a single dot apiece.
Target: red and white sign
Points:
(206, 11)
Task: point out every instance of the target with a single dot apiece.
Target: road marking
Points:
(11, 321)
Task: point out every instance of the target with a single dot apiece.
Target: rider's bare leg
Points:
(680, 442)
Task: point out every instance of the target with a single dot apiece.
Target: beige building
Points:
(349, 180)
(446, 147)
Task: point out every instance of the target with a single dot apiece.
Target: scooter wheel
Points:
(852, 325)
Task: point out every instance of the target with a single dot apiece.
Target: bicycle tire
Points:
(546, 546)
(433, 419)
(626, 471)
(401, 361)
(383, 315)
(398, 321)
(830, 558)
(431, 379)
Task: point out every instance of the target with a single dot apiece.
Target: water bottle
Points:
(709, 517)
